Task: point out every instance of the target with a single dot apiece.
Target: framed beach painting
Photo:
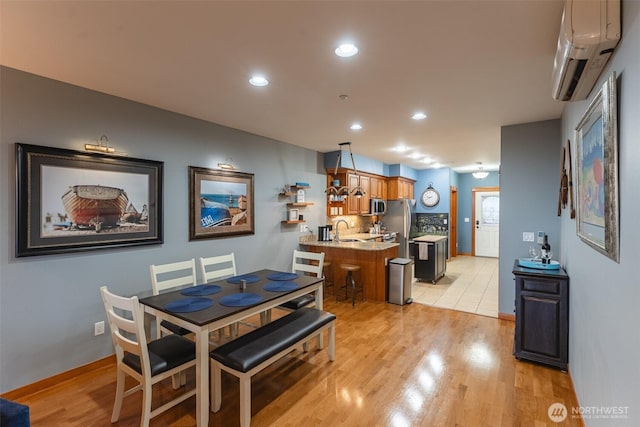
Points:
(220, 203)
(72, 201)
(597, 172)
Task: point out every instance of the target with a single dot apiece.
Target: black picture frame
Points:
(220, 203)
(74, 201)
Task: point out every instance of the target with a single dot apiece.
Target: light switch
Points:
(466, 220)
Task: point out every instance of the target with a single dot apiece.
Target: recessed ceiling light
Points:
(419, 115)
(258, 81)
(346, 50)
(401, 148)
(415, 156)
(427, 160)
(356, 126)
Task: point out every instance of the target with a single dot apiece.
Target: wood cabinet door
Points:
(365, 205)
(375, 194)
(353, 203)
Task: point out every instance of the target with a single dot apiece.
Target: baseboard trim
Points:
(507, 316)
(58, 378)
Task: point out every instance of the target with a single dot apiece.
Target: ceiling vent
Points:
(589, 32)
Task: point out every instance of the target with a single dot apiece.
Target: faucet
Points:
(337, 238)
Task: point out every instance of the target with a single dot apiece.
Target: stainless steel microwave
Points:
(378, 207)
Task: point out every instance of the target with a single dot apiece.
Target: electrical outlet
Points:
(527, 236)
(98, 328)
(540, 237)
(304, 227)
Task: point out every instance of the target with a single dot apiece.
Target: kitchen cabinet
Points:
(542, 316)
(292, 194)
(434, 266)
(399, 188)
(358, 205)
(378, 188)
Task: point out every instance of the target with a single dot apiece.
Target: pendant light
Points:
(345, 191)
(480, 173)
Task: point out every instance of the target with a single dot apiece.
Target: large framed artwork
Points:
(597, 172)
(72, 201)
(220, 203)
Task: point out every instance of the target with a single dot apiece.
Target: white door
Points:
(487, 223)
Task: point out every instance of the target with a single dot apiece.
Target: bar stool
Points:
(350, 282)
(327, 272)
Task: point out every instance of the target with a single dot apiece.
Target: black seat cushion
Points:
(174, 328)
(299, 302)
(164, 354)
(249, 350)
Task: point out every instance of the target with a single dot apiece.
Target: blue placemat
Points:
(240, 300)
(200, 290)
(281, 275)
(280, 286)
(250, 278)
(187, 305)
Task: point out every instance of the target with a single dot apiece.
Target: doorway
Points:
(485, 234)
(453, 223)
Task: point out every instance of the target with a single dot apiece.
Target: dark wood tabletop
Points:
(218, 311)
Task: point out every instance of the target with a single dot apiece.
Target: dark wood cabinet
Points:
(542, 316)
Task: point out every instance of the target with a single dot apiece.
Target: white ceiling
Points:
(472, 66)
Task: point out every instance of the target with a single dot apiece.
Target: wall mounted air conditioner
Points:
(589, 32)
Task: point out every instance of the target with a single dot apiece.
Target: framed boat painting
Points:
(73, 201)
(597, 172)
(220, 203)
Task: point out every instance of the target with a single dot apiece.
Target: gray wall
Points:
(530, 156)
(48, 304)
(604, 317)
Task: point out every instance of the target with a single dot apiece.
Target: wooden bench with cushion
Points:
(251, 353)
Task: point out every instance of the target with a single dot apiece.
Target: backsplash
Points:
(428, 223)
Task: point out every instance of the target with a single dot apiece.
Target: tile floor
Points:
(470, 284)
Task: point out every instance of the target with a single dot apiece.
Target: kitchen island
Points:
(432, 265)
(371, 256)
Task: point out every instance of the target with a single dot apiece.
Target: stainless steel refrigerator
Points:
(400, 217)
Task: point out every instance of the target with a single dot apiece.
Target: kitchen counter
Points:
(372, 257)
(364, 236)
(359, 246)
(429, 238)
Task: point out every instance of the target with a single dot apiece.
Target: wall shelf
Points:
(294, 193)
(293, 204)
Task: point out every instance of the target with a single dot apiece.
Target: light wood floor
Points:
(396, 366)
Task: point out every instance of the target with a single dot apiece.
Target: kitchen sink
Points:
(349, 240)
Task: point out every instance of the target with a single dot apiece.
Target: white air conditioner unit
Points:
(589, 32)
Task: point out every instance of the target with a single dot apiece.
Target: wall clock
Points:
(430, 196)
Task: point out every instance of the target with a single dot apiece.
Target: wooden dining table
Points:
(218, 316)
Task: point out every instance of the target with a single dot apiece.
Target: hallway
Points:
(470, 284)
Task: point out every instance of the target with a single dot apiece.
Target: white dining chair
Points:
(305, 263)
(167, 276)
(219, 267)
(147, 363)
